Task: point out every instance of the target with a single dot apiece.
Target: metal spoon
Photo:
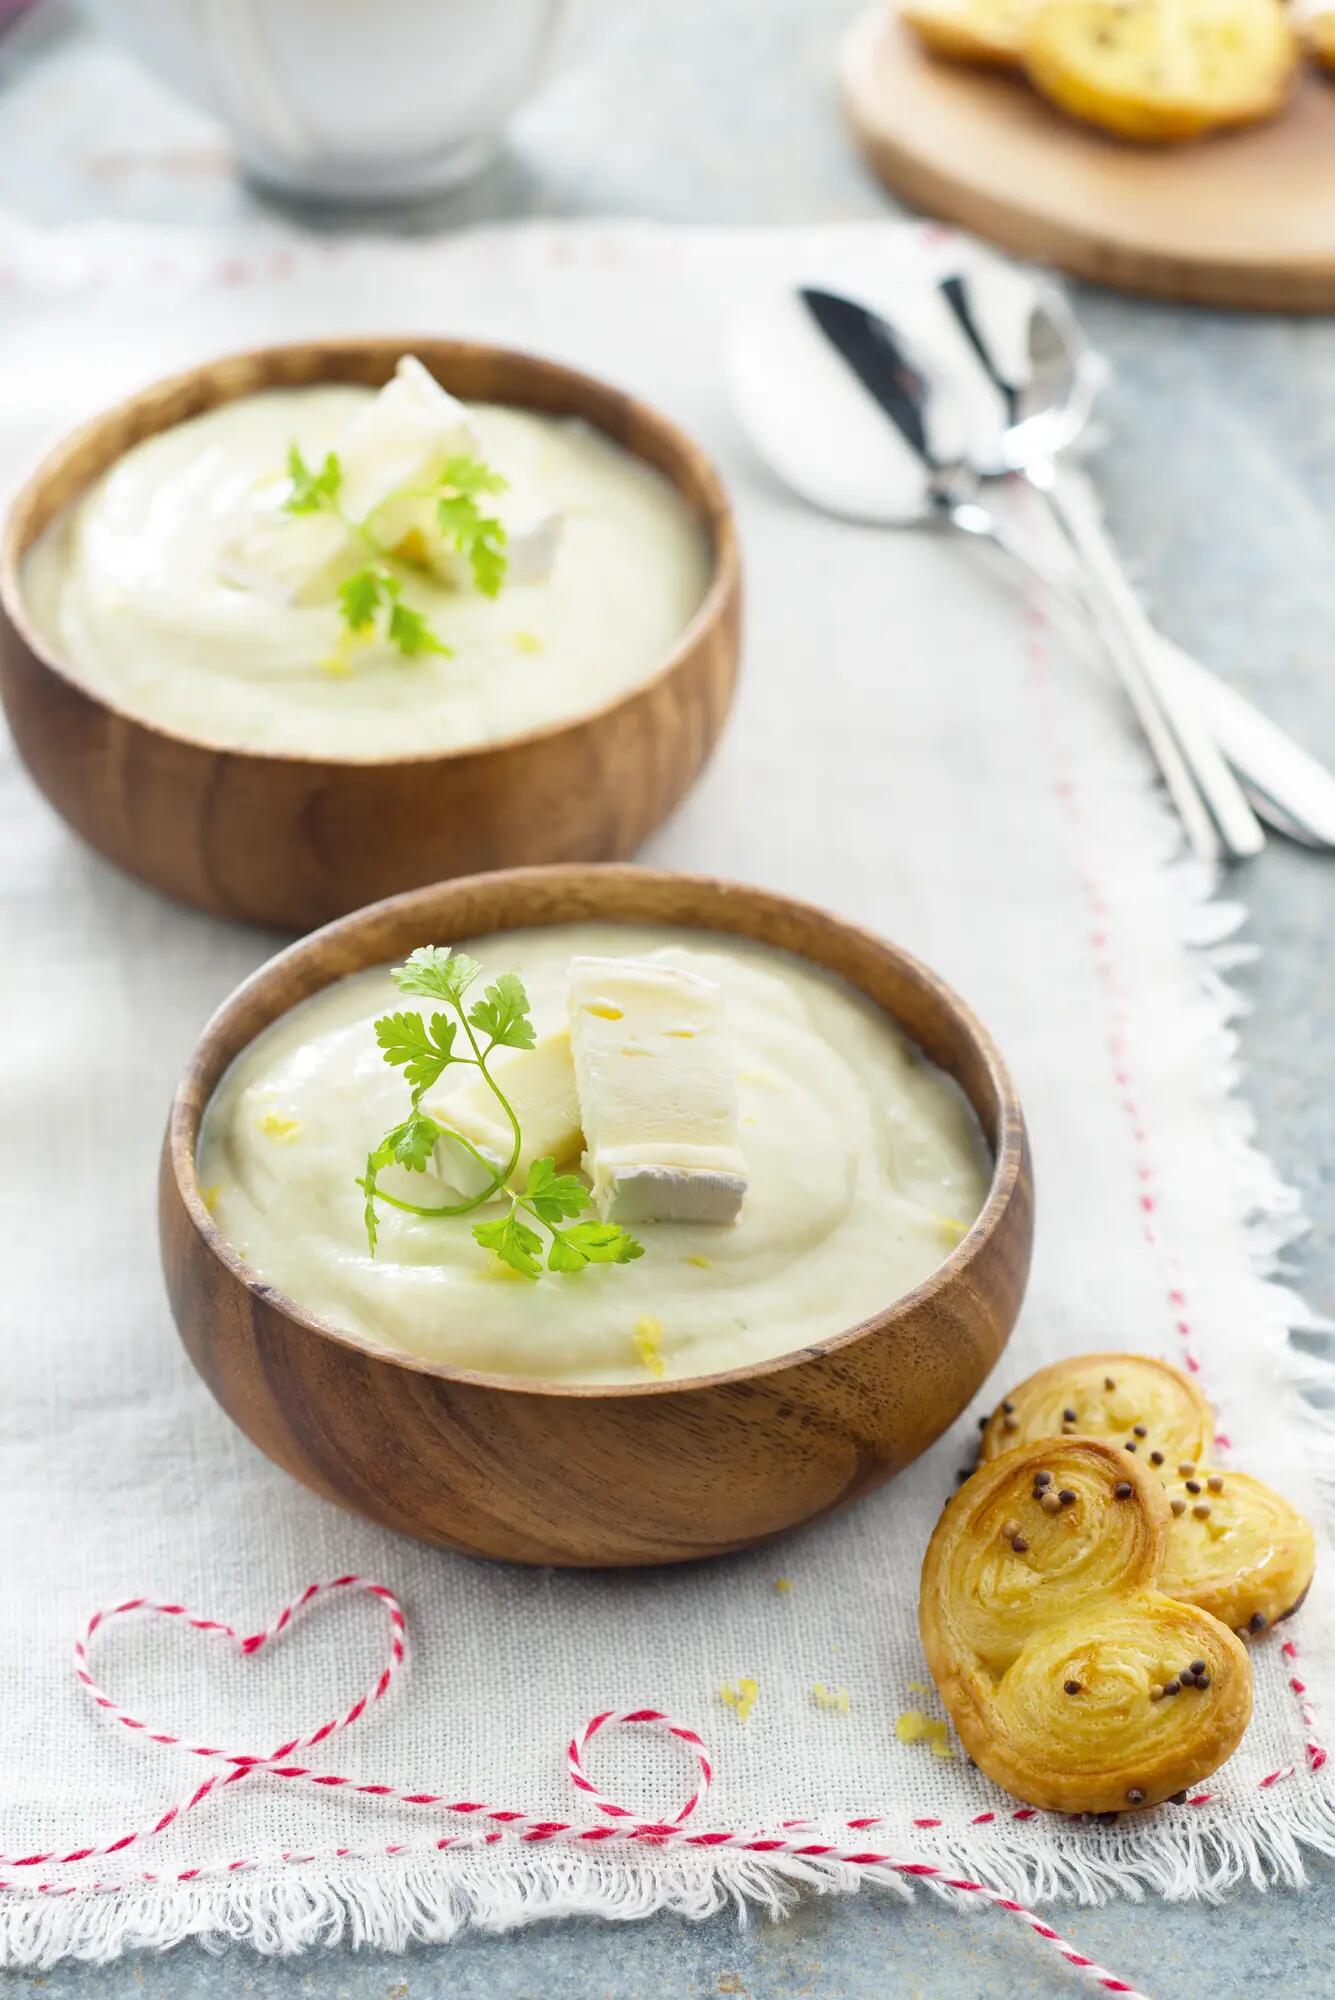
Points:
(803, 367)
(1287, 786)
(1047, 381)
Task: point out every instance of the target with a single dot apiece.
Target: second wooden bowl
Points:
(552, 1473)
(291, 841)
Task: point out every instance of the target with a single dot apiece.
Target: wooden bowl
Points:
(291, 841)
(546, 1472)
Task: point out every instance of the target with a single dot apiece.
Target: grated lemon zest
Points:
(337, 665)
(412, 548)
(275, 1126)
(835, 1699)
(783, 1584)
(209, 1196)
(701, 1263)
(741, 1695)
(919, 1687)
(953, 1230)
(649, 1344)
(527, 642)
(915, 1727)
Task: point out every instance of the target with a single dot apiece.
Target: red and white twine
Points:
(488, 1824)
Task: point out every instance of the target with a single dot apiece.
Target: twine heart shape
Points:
(792, 1839)
(237, 1764)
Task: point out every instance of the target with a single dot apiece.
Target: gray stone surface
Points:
(1219, 477)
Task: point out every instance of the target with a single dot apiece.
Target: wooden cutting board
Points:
(1242, 219)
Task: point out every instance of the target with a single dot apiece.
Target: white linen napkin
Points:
(912, 746)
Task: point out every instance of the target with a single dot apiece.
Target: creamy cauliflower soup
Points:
(355, 574)
(759, 1155)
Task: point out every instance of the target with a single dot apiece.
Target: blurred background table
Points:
(1219, 479)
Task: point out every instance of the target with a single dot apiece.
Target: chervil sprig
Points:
(424, 1050)
(551, 1198)
(465, 527)
(374, 592)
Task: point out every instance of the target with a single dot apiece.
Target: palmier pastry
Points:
(1071, 1678)
(1236, 1548)
(1129, 1399)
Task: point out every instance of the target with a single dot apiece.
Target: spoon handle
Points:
(1158, 702)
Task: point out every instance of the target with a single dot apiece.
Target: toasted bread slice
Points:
(978, 31)
(1318, 32)
(1163, 69)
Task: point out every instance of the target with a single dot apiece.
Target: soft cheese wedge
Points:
(290, 559)
(657, 1093)
(401, 438)
(540, 1083)
(1163, 69)
(392, 455)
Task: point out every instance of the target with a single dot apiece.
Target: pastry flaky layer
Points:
(1072, 1679)
(1236, 1548)
(1129, 1399)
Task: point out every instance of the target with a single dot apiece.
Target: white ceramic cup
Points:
(352, 101)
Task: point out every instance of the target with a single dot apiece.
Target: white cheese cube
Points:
(540, 1084)
(289, 558)
(401, 438)
(657, 1093)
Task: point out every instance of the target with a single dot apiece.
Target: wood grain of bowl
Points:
(598, 1475)
(290, 841)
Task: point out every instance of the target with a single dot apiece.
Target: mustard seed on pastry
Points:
(1130, 1399)
(1236, 1548)
(1239, 1551)
(1070, 1677)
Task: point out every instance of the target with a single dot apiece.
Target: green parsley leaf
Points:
(421, 1052)
(489, 559)
(409, 631)
(602, 1242)
(382, 1157)
(513, 1242)
(472, 475)
(563, 1256)
(554, 1196)
(312, 492)
(437, 972)
(478, 536)
(413, 1142)
(359, 598)
(503, 1013)
(591, 1243)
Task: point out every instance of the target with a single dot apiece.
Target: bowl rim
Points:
(184, 1121)
(713, 512)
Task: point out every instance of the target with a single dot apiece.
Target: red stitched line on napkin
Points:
(1068, 793)
(240, 1766)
